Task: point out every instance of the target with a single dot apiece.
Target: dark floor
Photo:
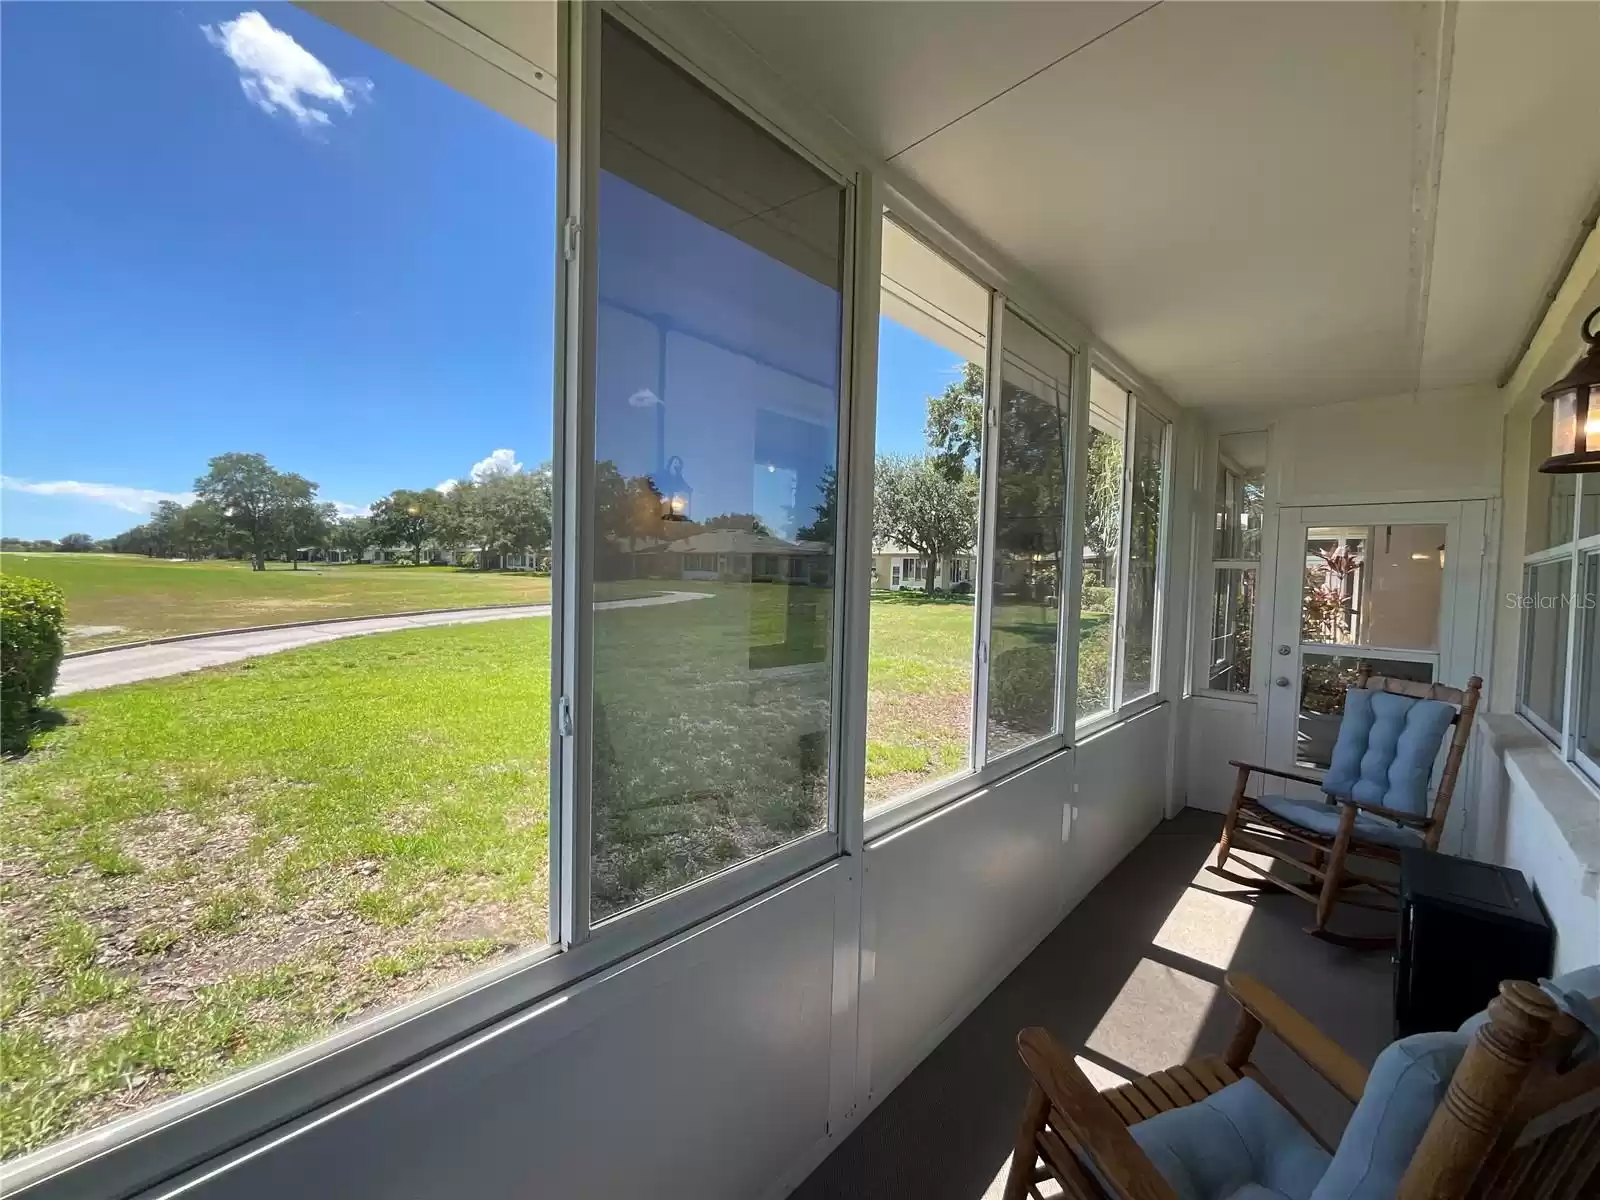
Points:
(1130, 981)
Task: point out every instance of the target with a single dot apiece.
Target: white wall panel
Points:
(1219, 730)
(1121, 796)
(704, 1064)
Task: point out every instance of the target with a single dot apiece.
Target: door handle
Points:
(1281, 681)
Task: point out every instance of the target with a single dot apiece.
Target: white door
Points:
(1399, 587)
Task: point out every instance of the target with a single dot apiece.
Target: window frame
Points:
(1205, 517)
(1122, 709)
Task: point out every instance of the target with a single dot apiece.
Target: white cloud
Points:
(447, 486)
(278, 73)
(130, 499)
(500, 462)
(345, 509)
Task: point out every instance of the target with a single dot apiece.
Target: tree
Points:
(745, 521)
(1102, 519)
(76, 543)
(501, 514)
(411, 518)
(353, 535)
(200, 531)
(917, 504)
(824, 528)
(955, 423)
(303, 524)
(252, 497)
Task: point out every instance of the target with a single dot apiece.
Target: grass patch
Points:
(149, 597)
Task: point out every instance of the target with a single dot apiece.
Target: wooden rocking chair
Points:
(1326, 843)
(1506, 1109)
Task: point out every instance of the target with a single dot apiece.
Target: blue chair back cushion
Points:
(1386, 748)
(1406, 1084)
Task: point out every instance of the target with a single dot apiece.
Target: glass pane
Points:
(1552, 499)
(1232, 605)
(1144, 548)
(1544, 641)
(1379, 585)
(1030, 522)
(1241, 495)
(932, 339)
(716, 431)
(319, 388)
(1324, 679)
(1102, 536)
(1589, 508)
(1588, 740)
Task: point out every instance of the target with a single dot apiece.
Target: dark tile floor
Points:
(1131, 981)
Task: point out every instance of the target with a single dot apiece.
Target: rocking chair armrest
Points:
(1087, 1118)
(1313, 1047)
(1389, 814)
(1297, 776)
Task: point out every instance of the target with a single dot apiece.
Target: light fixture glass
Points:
(1574, 424)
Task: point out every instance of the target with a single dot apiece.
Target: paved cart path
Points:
(132, 664)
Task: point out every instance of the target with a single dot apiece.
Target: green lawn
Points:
(203, 871)
(148, 597)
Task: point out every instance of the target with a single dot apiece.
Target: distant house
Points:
(740, 554)
(895, 568)
(322, 554)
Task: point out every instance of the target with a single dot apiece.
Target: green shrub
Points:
(1022, 687)
(32, 619)
(1097, 598)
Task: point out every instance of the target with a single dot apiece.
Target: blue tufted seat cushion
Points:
(1386, 748)
(1321, 817)
(1237, 1144)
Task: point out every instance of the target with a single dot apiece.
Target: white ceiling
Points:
(1224, 191)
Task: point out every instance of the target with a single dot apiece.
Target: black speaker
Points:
(1464, 926)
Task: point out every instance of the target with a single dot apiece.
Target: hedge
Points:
(32, 620)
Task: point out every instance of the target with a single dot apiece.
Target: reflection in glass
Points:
(1544, 641)
(1241, 496)
(1324, 679)
(1102, 535)
(1378, 585)
(1030, 522)
(716, 429)
(1232, 603)
(1144, 547)
(933, 335)
(1589, 669)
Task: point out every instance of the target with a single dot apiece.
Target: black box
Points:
(1464, 926)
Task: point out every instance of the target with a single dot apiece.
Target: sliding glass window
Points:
(1102, 546)
(716, 430)
(1235, 547)
(1146, 487)
(320, 300)
(1029, 559)
(933, 337)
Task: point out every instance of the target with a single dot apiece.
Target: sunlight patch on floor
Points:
(1155, 1020)
(1205, 926)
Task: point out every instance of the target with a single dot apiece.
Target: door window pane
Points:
(933, 335)
(716, 431)
(1544, 642)
(1588, 740)
(1102, 538)
(1030, 523)
(281, 305)
(1324, 679)
(1232, 603)
(1241, 495)
(1379, 585)
(1144, 551)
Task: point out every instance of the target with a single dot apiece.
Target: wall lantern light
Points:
(1575, 423)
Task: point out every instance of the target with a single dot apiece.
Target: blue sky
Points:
(334, 260)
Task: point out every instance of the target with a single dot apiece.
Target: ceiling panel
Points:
(1221, 191)
(894, 72)
(1521, 168)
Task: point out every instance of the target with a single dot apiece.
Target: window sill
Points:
(1566, 794)
(1226, 697)
(1105, 722)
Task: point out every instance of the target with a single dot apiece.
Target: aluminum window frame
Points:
(1205, 517)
